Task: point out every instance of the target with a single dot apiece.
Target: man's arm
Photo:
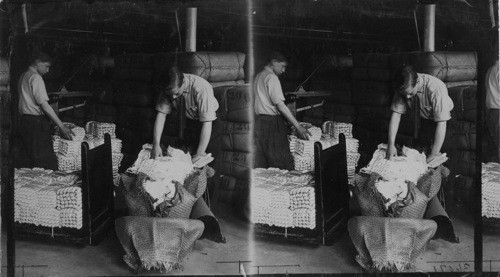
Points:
(157, 131)
(439, 136)
(47, 109)
(206, 132)
(303, 132)
(393, 130)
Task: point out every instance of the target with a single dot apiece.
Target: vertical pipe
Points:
(492, 14)
(25, 18)
(191, 30)
(430, 24)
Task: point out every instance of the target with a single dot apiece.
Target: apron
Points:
(271, 143)
(36, 147)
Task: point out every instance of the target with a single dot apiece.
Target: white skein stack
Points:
(276, 195)
(69, 202)
(490, 183)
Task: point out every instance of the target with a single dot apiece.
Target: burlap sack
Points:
(156, 243)
(389, 244)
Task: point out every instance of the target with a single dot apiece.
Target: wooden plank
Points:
(320, 93)
(73, 93)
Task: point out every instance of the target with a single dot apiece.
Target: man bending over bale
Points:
(201, 106)
(430, 96)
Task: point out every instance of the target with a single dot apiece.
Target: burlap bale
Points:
(367, 196)
(4, 71)
(156, 243)
(413, 206)
(464, 101)
(139, 202)
(389, 244)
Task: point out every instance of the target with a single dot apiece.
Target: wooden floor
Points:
(243, 252)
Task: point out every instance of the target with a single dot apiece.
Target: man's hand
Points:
(303, 132)
(391, 152)
(156, 152)
(196, 157)
(66, 132)
(432, 156)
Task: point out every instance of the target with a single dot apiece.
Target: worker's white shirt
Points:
(492, 88)
(267, 91)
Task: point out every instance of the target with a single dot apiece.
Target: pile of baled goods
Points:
(283, 198)
(303, 150)
(162, 172)
(68, 152)
(395, 173)
(491, 190)
(47, 198)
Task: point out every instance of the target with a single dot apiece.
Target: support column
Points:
(191, 30)
(430, 25)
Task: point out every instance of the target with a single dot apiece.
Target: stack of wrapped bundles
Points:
(47, 198)
(283, 198)
(98, 129)
(95, 137)
(303, 150)
(68, 152)
(491, 190)
(334, 129)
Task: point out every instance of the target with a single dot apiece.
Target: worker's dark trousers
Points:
(435, 208)
(35, 145)
(272, 148)
(200, 208)
(493, 127)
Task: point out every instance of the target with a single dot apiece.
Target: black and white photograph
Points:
(249, 137)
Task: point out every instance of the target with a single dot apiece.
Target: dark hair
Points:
(276, 56)
(405, 77)
(38, 56)
(171, 77)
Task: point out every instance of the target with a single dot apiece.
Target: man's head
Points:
(41, 62)
(277, 62)
(172, 82)
(406, 81)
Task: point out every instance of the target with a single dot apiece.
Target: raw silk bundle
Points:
(156, 243)
(409, 167)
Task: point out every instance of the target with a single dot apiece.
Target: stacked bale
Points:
(232, 137)
(4, 75)
(461, 145)
(230, 143)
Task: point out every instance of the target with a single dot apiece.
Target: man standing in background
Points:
(493, 110)
(271, 142)
(36, 113)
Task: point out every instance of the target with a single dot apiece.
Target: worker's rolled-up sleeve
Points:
(39, 90)
(207, 104)
(441, 105)
(275, 90)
